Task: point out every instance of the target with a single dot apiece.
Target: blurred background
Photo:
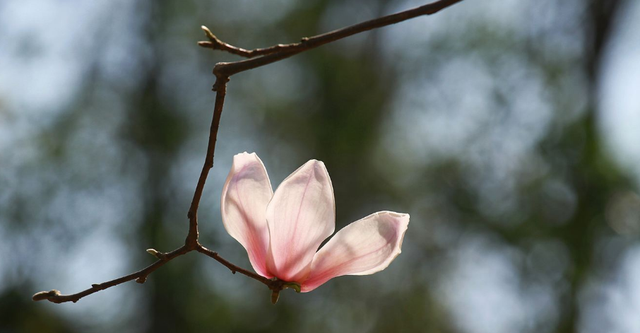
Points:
(509, 130)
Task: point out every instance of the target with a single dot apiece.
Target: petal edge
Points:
(363, 247)
(244, 200)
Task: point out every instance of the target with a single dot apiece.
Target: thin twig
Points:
(221, 90)
(216, 44)
(257, 58)
(233, 268)
(280, 51)
(140, 277)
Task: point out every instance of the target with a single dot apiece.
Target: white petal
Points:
(363, 247)
(300, 216)
(245, 196)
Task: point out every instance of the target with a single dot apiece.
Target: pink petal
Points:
(363, 247)
(300, 216)
(245, 196)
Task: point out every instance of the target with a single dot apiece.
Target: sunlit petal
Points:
(363, 247)
(245, 196)
(300, 216)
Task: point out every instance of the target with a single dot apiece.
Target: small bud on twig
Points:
(157, 254)
(209, 34)
(275, 294)
(39, 296)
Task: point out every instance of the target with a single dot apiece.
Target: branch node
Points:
(221, 80)
(191, 242)
(141, 279)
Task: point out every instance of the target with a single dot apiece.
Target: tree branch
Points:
(233, 268)
(216, 44)
(140, 277)
(283, 51)
(224, 70)
(221, 91)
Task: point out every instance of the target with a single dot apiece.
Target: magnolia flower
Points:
(282, 231)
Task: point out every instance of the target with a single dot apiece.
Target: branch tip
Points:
(275, 295)
(209, 34)
(45, 295)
